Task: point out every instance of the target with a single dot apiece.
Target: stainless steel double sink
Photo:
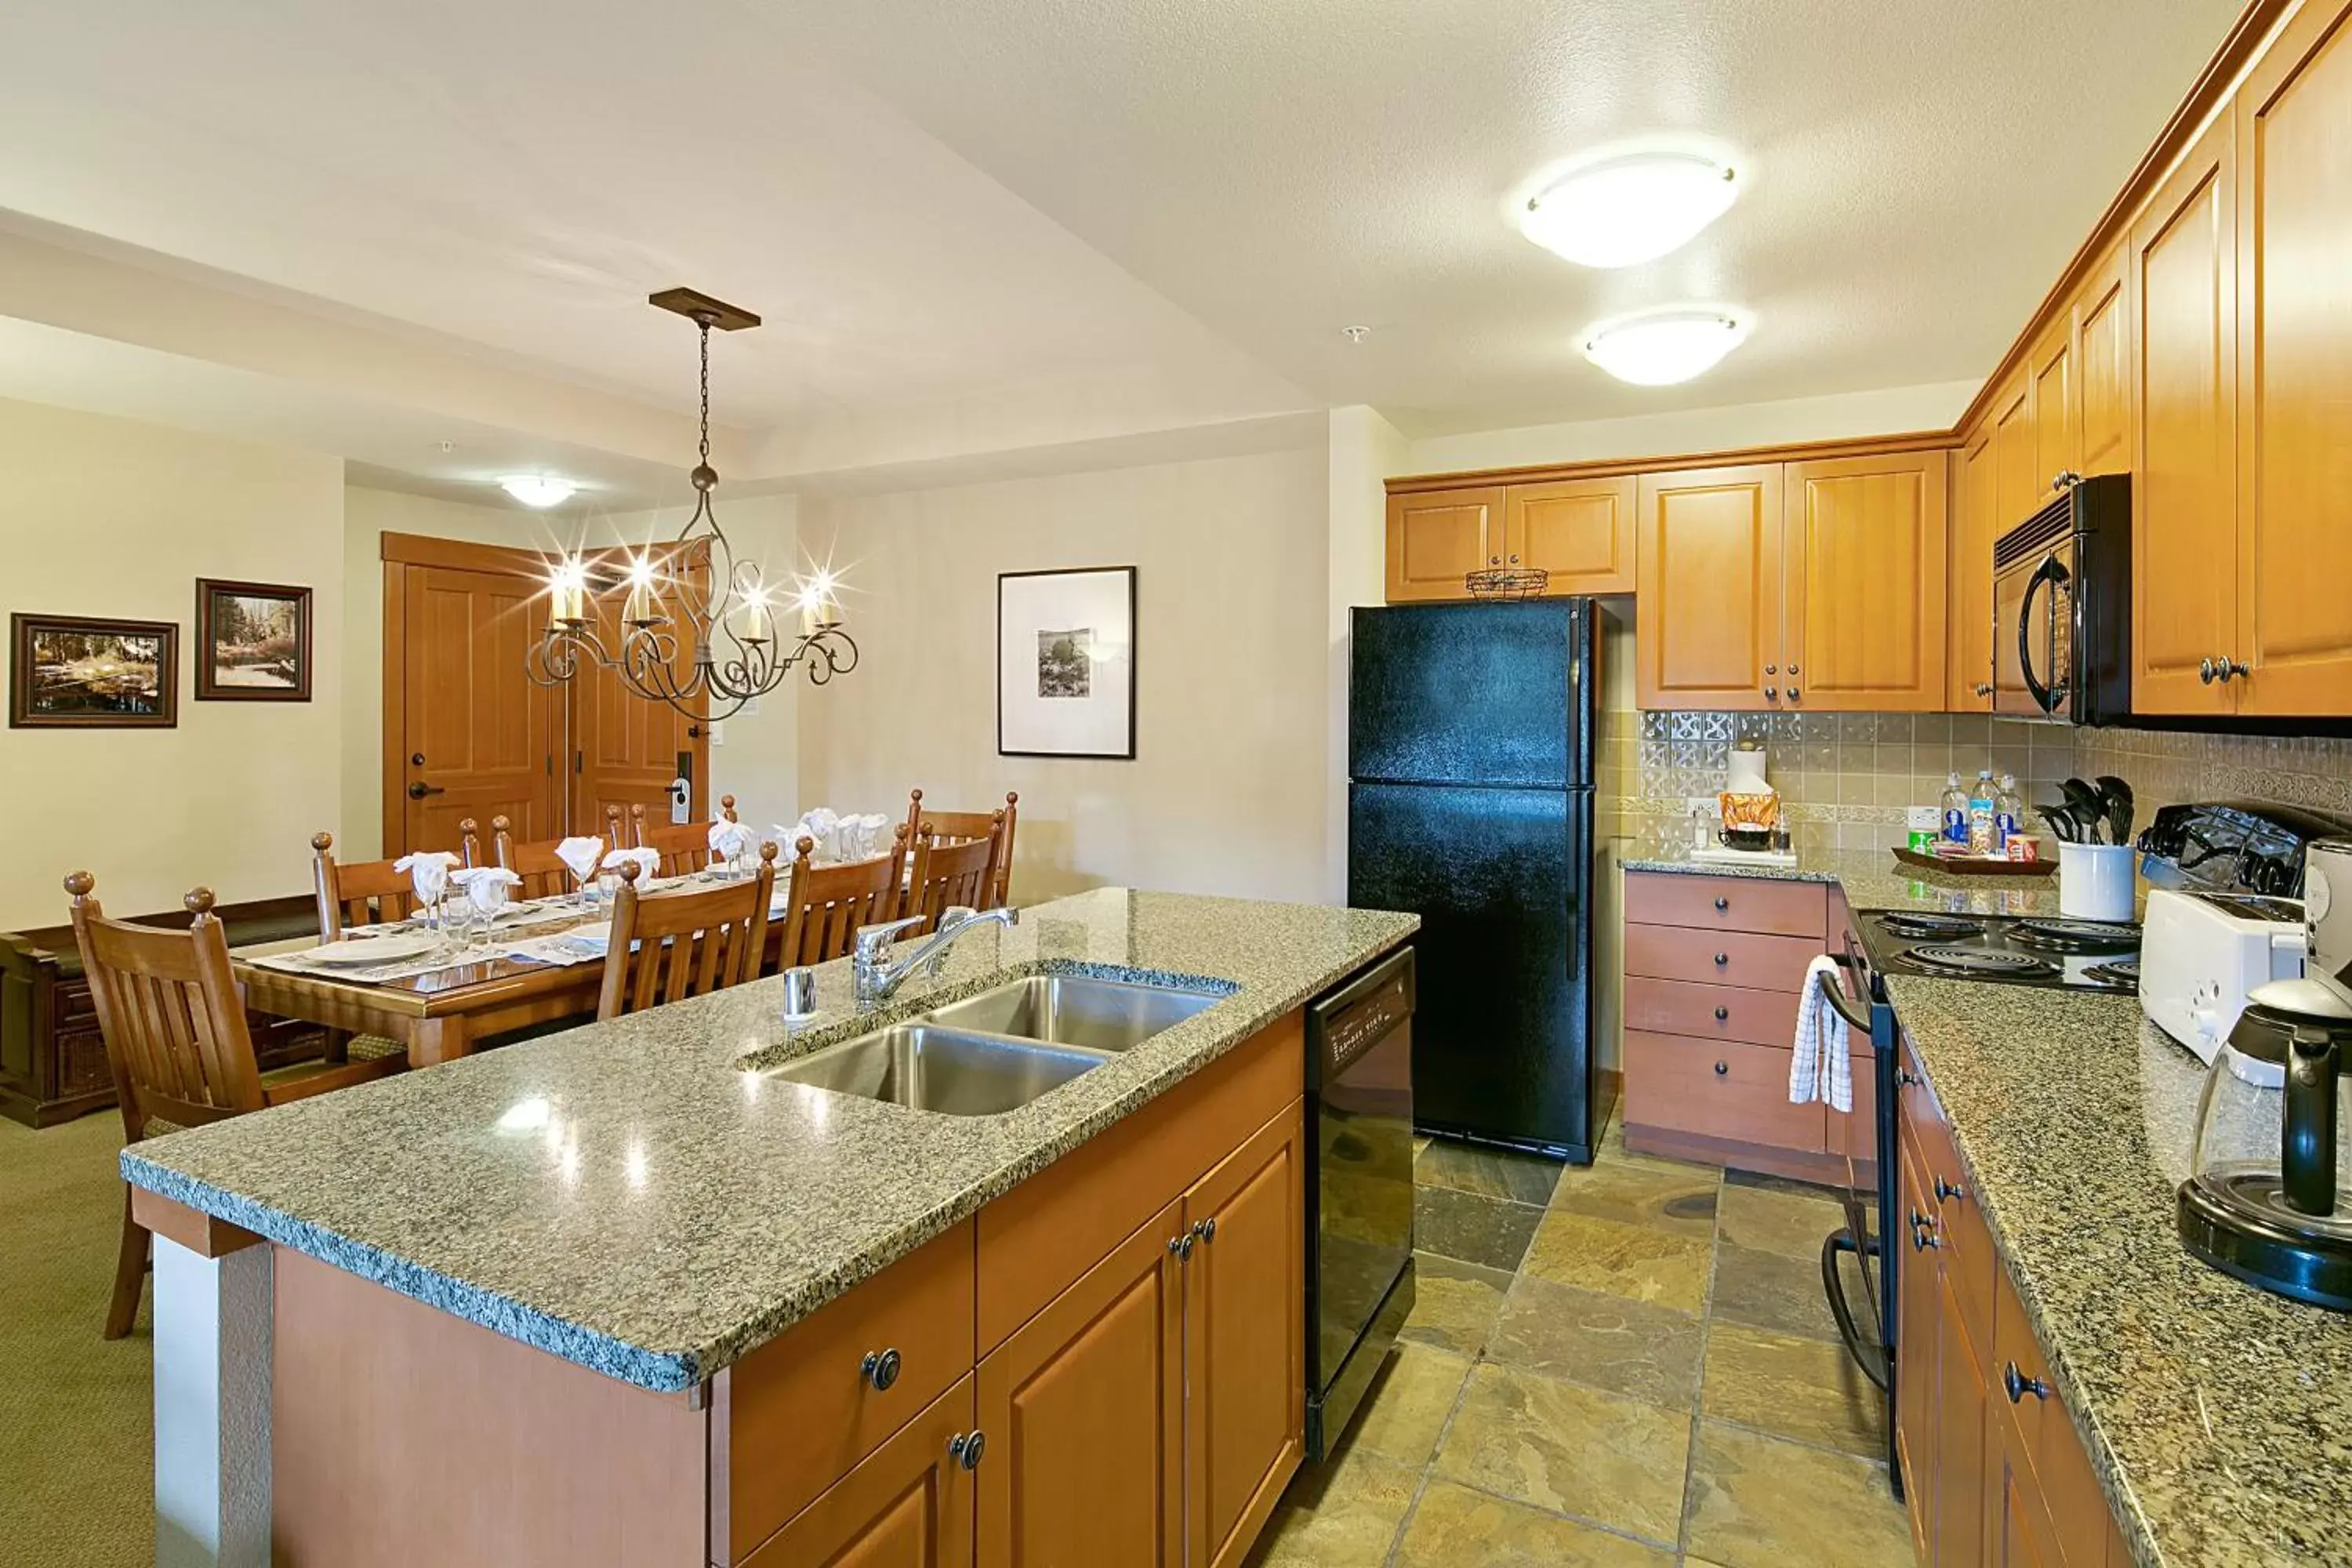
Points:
(998, 1050)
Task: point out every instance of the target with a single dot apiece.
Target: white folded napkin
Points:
(485, 886)
(648, 862)
(1820, 1069)
(873, 831)
(731, 841)
(428, 871)
(823, 826)
(581, 856)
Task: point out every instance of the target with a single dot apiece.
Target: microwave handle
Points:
(2051, 572)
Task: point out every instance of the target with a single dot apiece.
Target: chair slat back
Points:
(542, 871)
(824, 906)
(958, 826)
(168, 1007)
(683, 847)
(947, 875)
(669, 946)
(368, 892)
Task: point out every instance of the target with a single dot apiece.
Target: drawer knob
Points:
(1922, 1237)
(1723, 1070)
(1945, 1189)
(1721, 905)
(1721, 959)
(880, 1369)
(2018, 1386)
(1206, 1230)
(1722, 1015)
(966, 1447)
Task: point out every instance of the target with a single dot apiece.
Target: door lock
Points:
(419, 791)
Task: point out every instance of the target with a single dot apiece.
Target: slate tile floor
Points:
(1625, 1367)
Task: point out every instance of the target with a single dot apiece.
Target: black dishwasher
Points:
(1360, 1271)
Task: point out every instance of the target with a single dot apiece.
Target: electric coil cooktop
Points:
(2081, 955)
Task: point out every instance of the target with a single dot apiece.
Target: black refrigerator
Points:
(1471, 734)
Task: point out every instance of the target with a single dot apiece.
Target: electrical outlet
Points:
(1701, 803)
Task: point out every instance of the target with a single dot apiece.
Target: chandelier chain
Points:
(703, 449)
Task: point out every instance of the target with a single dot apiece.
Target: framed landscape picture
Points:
(1065, 663)
(84, 672)
(253, 642)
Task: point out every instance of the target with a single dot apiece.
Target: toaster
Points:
(2327, 906)
(2200, 952)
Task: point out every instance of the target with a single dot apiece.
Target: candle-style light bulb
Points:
(567, 595)
(641, 609)
(757, 624)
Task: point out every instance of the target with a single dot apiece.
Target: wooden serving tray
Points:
(1973, 865)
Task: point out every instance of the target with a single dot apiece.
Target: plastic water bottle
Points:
(1981, 814)
(1955, 810)
(2006, 809)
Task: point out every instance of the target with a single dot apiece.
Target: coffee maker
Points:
(2269, 1197)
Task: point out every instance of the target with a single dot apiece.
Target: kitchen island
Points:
(619, 1218)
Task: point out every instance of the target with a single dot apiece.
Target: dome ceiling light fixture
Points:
(1659, 348)
(1628, 207)
(537, 491)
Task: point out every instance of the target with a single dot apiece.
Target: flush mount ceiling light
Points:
(1629, 208)
(537, 489)
(1659, 348)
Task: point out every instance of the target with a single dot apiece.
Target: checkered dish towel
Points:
(1820, 1070)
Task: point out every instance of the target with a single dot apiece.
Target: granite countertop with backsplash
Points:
(1873, 879)
(2215, 1414)
(635, 1197)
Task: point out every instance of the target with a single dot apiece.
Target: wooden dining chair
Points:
(957, 826)
(948, 874)
(367, 892)
(683, 847)
(665, 947)
(824, 906)
(542, 870)
(178, 1045)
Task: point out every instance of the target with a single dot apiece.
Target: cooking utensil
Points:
(2061, 823)
(2117, 796)
(2088, 808)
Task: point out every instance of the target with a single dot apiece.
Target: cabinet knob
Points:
(1794, 694)
(1494, 560)
(2204, 672)
(1772, 694)
(1721, 959)
(880, 1369)
(1722, 1015)
(1982, 689)
(2227, 669)
(1771, 670)
(1946, 1190)
(1794, 670)
(1722, 904)
(1723, 1070)
(966, 1447)
(1515, 561)
(2018, 1386)
(1206, 1230)
(1182, 1246)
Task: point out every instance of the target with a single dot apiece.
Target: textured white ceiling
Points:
(938, 207)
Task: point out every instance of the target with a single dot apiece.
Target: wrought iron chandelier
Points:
(729, 623)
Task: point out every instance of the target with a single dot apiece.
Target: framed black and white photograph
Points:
(253, 642)
(1065, 663)
(84, 672)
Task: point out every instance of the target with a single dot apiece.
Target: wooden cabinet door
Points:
(1436, 538)
(2294, 371)
(1968, 678)
(908, 1505)
(2017, 1529)
(2056, 435)
(1578, 530)
(1244, 1340)
(1709, 561)
(1863, 583)
(2019, 487)
(1917, 1369)
(2103, 369)
(2184, 500)
(1084, 1413)
(1961, 1411)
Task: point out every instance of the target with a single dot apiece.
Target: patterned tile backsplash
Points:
(1845, 779)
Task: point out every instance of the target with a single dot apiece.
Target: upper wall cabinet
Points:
(2184, 500)
(1578, 530)
(2293, 436)
(1969, 669)
(2056, 435)
(2102, 417)
(2019, 484)
(1864, 581)
(1437, 538)
(1707, 610)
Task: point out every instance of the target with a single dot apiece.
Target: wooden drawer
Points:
(1720, 957)
(1716, 1089)
(1969, 1262)
(1729, 903)
(1710, 1012)
(910, 1502)
(798, 1413)
(1039, 1238)
(2077, 1508)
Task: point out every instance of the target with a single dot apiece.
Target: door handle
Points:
(2051, 574)
(419, 791)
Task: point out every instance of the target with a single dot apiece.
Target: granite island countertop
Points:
(637, 1197)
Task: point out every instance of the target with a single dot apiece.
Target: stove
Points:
(2071, 955)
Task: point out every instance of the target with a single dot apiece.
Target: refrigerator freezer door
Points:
(1480, 694)
(1502, 880)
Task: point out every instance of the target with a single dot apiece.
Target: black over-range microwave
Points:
(2062, 595)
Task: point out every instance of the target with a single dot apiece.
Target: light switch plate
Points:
(718, 731)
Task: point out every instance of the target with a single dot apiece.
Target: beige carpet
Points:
(75, 1443)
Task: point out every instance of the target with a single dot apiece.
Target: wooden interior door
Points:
(1578, 530)
(2056, 435)
(910, 1504)
(1863, 583)
(2184, 500)
(1084, 1409)
(1246, 1341)
(626, 749)
(475, 737)
(1967, 681)
(1709, 611)
(2294, 371)
(2019, 487)
(1435, 539)
(2103, 368)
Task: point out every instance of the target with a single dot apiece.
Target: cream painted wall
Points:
(1365, 450)
(109, 517)
(1887, 412)
(1228, 791)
